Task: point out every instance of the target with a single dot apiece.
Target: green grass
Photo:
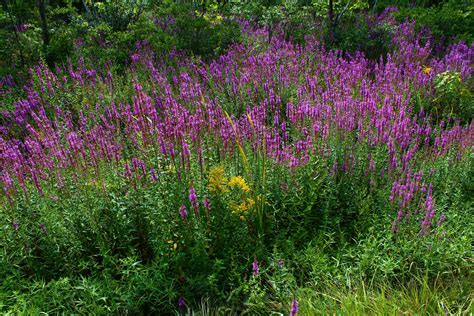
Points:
(446, 295)
(418, 297)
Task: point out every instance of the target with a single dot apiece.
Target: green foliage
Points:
(452, 98)
(17, 47)
(126, 249)
(163, 28)
(356, 34)
(118, 15)
(105, 31)
(100, 43)
(448, 21)
(445, 296)
(350, 28)
(205, 35)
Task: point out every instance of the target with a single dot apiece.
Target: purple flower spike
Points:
(193, 199)
(255, 268)
(154, 176)
(442, 219)
(207, 203)
(181, 302)
(294, 308)
(183, 212)
(135, 58)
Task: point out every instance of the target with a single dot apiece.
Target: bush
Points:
(359, 33)
(205, 34)
(454, 98)
(449, 22)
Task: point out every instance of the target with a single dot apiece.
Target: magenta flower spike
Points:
(294, 308)
(183, 212)
(255, 268)
(193, 199)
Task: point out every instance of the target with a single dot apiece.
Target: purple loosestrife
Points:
(135, 57)
(193, 199)
(255, 268)
(429, 213)
(127, 172)
(294, 308)
(181, 302)
(207, 203)
(183, 212)
(442, 219)
(154, 176)
(345, 99)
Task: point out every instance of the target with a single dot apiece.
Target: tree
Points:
(44, 23)
(331, 20)
(336, 11)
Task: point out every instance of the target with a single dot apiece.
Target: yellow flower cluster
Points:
(427, 70)
(217, 180)
(239, 183)
(239, 203)
(211, 17)
(245, 203)
(171, 168)
(242, 208)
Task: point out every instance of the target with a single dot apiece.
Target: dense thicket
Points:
(57, 30)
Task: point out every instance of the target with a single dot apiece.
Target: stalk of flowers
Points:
(183, 212)
(193, 200)
(294, 308)
(255, 268)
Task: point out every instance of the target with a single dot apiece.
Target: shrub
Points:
(449, 21)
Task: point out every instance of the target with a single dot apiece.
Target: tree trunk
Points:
(44, 24)
(331, 20)
(17, 38)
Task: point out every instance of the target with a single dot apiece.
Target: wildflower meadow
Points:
(277, 177)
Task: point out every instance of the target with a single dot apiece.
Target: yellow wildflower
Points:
(171, 168)
(217, 180)
(250, 203)
(243, 207)
(236, 208)
(239, 182)
(427, 70)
